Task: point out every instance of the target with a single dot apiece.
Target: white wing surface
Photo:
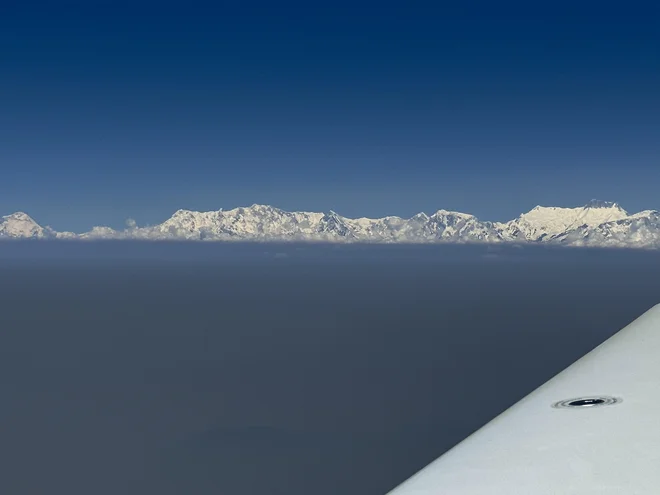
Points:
(593, 429)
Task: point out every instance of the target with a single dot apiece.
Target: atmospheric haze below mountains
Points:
(168, 368)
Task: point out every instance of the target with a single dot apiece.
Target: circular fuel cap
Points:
(585, 402)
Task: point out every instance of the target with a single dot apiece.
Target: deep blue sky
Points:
(111, 110)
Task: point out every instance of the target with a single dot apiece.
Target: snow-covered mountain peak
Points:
(420, 217)
(597, 223)
(259, 207)
(444, 215)
(100, 233)
(544, 223)
(183, 213)
(20, 225)
(645, 214)
(605, 209)
(19, 216)
(254, 208)
(597, 203)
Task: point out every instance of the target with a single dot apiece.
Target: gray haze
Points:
(281, 369)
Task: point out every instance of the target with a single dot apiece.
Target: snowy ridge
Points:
(546, 223)
(20, 224)
(598, 223)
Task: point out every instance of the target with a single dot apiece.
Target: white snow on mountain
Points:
(598, 223)
(256, 222)
(546, 223)
(639, 230)
(100, 233)
(21, 225)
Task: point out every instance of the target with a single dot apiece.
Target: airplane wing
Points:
(593, 429)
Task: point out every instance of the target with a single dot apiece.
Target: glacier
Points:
(596, 224)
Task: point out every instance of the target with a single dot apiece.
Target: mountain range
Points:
(598, 223)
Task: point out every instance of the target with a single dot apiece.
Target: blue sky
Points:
(111, 110)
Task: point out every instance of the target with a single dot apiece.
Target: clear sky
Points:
(116, 109)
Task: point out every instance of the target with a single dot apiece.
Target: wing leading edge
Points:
(592, 429)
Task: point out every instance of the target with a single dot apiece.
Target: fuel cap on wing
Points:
(586, 402)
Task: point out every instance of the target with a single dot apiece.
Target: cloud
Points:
(131, 223)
